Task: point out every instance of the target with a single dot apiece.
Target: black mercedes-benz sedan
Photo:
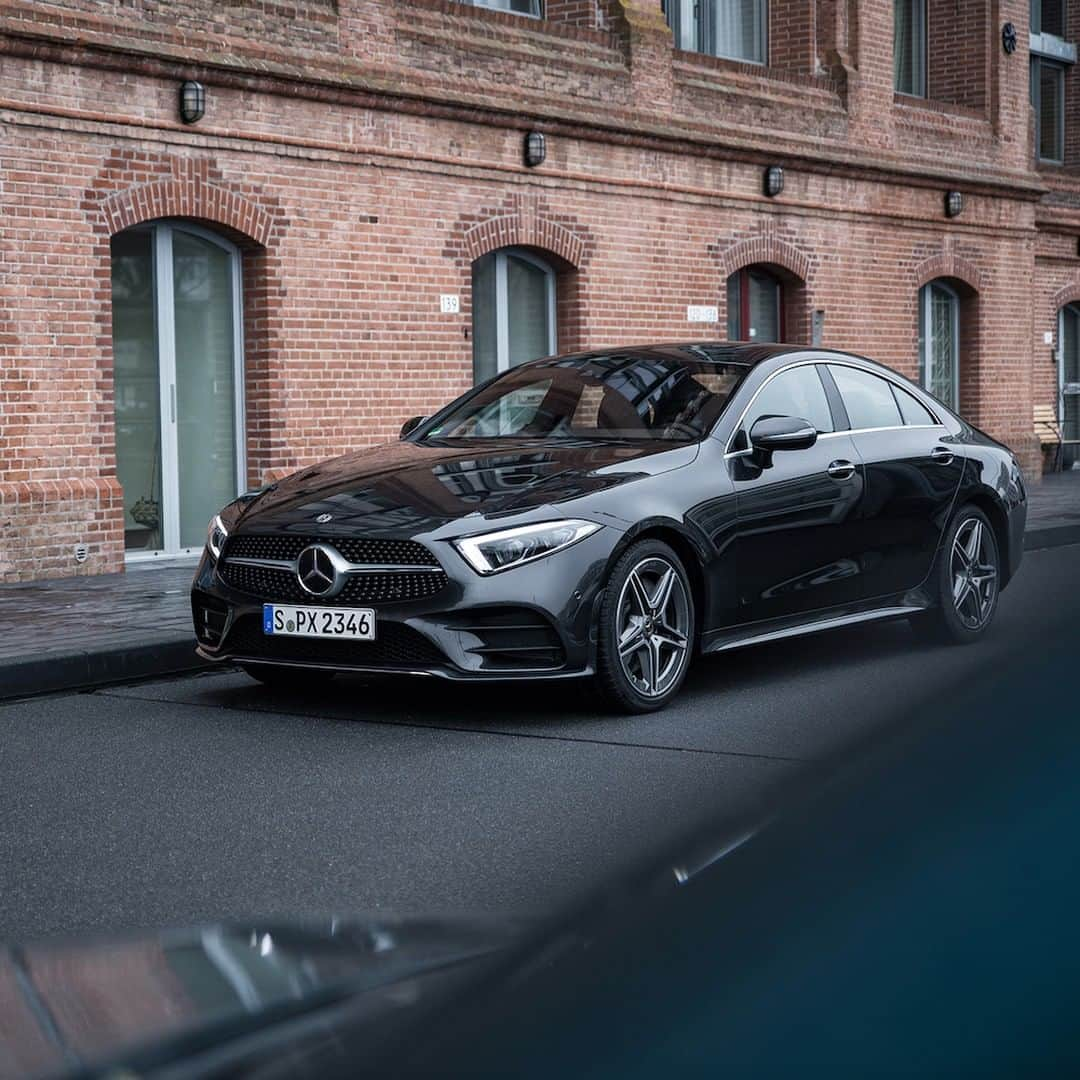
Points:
(615, 513)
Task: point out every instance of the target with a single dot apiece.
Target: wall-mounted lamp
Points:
(1008, 38)
(535, 149)
(954, 203)
(192, 101)
(774, 181)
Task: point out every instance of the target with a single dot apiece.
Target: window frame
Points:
(501, 258)
(925, 342)
(495, 5)
(161, 232)
(742, 275)
(1038, 62)
(675, 12)
(920, 47)
(1072, 309)
(841, 420)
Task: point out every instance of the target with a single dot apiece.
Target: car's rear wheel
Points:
(646, 631)
(286, 677)
(968, 572)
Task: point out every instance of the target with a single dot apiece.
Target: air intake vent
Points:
(511, 639)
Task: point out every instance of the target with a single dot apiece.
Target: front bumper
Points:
(534, 621)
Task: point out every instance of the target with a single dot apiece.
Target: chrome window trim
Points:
(845, 362)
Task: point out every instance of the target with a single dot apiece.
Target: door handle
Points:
(942, 455)
(841, 470)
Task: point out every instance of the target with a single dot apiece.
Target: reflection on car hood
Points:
(409, 487)
(145, 1000)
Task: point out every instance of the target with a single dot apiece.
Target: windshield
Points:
(597, 397)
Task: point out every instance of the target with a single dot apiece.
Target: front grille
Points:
(380, 587)
(395, 646)
(364, 550)
(510, 638)
(385, 587)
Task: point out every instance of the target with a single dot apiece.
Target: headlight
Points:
(495, 551)
(215, 536)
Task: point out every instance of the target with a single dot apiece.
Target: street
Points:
(209, 797)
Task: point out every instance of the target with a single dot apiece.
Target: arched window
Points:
(1069, 381)
(939, 342)
(513, 310)
(755, 305)
(178, 383)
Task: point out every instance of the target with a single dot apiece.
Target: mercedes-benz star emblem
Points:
(322, 519)
(315, 570)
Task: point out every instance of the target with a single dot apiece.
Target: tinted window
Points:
(616, 396)
(795, 392)
(869, 400)
(913, 410)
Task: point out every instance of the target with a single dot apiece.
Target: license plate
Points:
(288, 621)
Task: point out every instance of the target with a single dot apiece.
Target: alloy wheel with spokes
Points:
(647, 627)
(974, 573)
(653, 621)
(968, 572)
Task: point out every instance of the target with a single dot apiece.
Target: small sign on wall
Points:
(704, 313)
(450, 304)
(1048, 337)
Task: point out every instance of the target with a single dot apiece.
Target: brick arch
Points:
(187, 198)
(948, 265)
(765, 249)
(1067, 294)
(524, 226)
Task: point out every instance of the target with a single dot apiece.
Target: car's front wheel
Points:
(968, 573)
(646, 631)
(285, 677)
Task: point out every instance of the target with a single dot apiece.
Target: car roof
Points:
(747, 353)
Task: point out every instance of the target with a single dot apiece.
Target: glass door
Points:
(178, 384)
(1069, 384)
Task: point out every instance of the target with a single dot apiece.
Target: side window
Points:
(869, 400)
(915, 413)
(795, 392)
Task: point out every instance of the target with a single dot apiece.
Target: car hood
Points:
(404, 488)
(147, 1000)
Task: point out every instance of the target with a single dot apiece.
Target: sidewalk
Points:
(80, 632)
(70, 633)
(1054, 511)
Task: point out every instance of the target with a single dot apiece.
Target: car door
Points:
(793, 543)
(912, 471)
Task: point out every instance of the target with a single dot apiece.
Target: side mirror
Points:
(772, 433)
(411, 425)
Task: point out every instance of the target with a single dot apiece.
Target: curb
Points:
(86, 670)
(1037, 539)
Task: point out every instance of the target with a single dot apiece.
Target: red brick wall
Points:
(792, 35)
(360, 199)
(958, 40)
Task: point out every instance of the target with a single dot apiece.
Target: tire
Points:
(287, 678)
(646, 678)
(967, 588)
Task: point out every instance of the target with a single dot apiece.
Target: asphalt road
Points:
(209, 797)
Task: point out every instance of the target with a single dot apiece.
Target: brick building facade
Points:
(359, 160)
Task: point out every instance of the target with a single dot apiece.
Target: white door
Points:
(178, 374)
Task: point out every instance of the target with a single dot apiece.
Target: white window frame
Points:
(692, 25)
(926, 344)
(536, 9)
(165, 318)
(920, 44)
(502, 305)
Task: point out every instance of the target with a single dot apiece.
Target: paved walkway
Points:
(89, 631)
(86, 631)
